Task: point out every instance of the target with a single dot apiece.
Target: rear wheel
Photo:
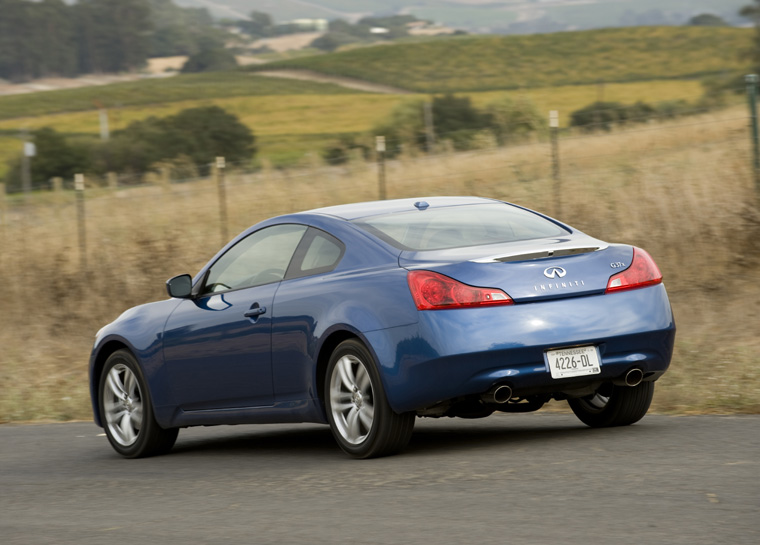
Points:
(614, 405)
(127, 412)
(362, 421)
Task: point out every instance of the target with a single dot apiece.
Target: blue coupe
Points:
(367, 316)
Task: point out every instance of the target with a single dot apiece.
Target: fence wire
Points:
(190, 207)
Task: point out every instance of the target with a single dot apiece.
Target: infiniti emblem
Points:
(553, 272)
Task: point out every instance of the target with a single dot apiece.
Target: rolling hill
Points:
(294, 118)
(482, 63)
(179, 88)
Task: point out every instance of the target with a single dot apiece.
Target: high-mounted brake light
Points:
(642, 272)
(432, 291)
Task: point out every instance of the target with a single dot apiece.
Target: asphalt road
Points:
(534, 478)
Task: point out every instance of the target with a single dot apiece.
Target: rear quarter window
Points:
(319, 252)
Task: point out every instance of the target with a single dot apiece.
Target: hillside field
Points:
(293, 120)
(288, 127)
(485, 63)
(158, 91)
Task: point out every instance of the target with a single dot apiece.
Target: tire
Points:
(361, 420)
(614, 405)
(126, 411)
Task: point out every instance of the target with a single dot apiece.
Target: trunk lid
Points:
(530, 270)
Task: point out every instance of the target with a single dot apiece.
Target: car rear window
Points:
(459, 226)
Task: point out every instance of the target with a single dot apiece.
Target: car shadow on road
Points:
(265, 440)
(429, 437)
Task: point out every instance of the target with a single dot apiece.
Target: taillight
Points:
(642, 272)
(432, 291)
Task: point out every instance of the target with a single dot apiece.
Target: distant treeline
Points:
(52, 38)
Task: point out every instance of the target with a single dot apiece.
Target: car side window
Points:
(260, 258)
(319, 252)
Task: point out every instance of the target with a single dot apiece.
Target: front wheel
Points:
(614, 405)
(126, 410)
(362, 421)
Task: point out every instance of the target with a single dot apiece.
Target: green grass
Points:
(485, 63)
(159, 91)
(288, 127)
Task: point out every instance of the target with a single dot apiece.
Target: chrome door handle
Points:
(258, 311)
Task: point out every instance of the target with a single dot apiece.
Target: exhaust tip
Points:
(634, 377)
(498, 394)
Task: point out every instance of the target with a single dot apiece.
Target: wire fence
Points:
(203, 212)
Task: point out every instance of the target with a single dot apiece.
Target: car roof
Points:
(366, 209)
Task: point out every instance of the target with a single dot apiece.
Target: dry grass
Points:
(683, 191)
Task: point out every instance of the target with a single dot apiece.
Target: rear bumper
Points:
(454, 353)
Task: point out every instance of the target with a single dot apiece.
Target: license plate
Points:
(574, 362)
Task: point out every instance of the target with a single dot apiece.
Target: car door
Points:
(217, 346)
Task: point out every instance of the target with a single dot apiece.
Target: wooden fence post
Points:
(3, 205)
(220, 164)
(380, 148)
(82, 227)
(554, 128)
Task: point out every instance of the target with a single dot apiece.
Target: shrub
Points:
(603, 115)
(404, 128)
(55, 156)
(344, 149)
(201, 134)
(210, 60)
(333, 40)
(512, 120)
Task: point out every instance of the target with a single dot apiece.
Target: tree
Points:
(210, 132)
(603, 115)
(752, 12)
(457, 120)
(707, 19)
(55, 40)
(201, 134)
(260, 25)
(404, 128)
(210, 60)
(514, 119)
(55, 157)
(16, 61)
(333, 40)
(113, 34)
(181, 31)
(598, 115)
(454, 119)
(51, 37)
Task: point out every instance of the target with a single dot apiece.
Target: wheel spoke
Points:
(366, 417)
(599, 401)
(352, 422)
(137, 416)
(342, 407)
(114, 383)
(127, 431)
(362, 380)
(130, 384)
(346, 373)
(115, 413)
